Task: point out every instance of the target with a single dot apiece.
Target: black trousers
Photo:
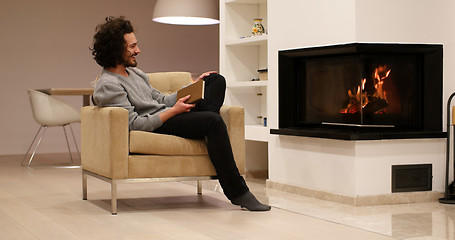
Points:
(204, 121)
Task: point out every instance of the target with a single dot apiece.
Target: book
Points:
(263, 74)
(195, 90)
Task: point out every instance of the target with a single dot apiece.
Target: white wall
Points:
(45, 44)
(375, 158)
(313, 163)
(304, 23)
(342, 166)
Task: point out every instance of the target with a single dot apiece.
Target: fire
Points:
(362, 100)
(379, 81)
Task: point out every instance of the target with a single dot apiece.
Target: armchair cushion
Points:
(155, 166)
(169, 82)
(162, 144)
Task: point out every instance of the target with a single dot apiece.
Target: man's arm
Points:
(109, 94)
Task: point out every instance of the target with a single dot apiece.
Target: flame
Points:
(360, 99)
(379, 81)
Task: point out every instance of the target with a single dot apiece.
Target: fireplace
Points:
(361, 91)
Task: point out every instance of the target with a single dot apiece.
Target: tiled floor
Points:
(430, 220)
(45, 203)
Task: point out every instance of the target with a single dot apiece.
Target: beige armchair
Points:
(111, 153)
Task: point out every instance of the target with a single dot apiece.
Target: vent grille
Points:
(412, 178)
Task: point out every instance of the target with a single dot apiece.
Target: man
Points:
(121, 84)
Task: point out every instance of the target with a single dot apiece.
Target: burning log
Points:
(375, 105)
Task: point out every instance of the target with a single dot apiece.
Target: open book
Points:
(196, 90)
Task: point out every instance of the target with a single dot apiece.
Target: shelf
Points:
(246, 1)
(256, 133)
(241, 55)
(244, 84)
(248, 41)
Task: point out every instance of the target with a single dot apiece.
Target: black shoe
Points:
(249, 201)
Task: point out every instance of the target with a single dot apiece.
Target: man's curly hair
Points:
(109, 43)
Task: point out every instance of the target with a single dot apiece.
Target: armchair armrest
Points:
(104, 141)
(234, 117)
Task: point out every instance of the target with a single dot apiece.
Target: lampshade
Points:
(187, 12)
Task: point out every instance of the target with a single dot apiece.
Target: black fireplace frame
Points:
(431, 92)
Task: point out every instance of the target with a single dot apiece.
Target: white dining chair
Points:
(49, 111)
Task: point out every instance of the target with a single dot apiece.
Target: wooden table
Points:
(85, 92)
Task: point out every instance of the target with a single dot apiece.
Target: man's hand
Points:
(179, 107)
(204, 75)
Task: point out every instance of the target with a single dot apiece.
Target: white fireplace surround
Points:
(354, 172)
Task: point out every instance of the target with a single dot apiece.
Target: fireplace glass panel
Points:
(360, 90)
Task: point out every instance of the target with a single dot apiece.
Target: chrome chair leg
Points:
(31, 144)
(37, 145)
(84, 185)
(43, 131)
(68, 143)
(75, 142)
(114, 197)
(199, 187)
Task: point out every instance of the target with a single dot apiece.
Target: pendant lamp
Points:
(187, 12)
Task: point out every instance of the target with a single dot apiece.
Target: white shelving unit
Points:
(248, 41)
(241, 56)
(248, 84)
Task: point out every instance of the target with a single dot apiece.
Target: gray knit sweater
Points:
(135, 94)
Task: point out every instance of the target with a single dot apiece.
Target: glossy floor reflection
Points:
(430, 220)
(45, 203)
